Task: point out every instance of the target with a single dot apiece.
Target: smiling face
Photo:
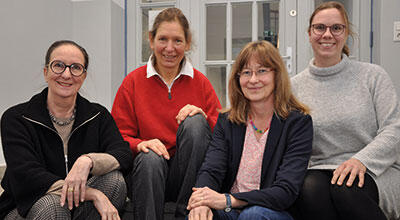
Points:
(258, 88)
(327, 47)
(64, 85)
(169, 46)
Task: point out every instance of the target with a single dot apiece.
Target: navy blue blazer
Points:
(284, 164)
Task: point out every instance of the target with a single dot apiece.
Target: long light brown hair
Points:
(284, 100)
(340, 7)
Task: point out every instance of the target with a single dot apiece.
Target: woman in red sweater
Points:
(165, 110)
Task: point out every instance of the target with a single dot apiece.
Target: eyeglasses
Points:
(335, 29)
(58, 67)
(260, 72)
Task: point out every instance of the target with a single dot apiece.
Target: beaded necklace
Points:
(255, 128)
(63, 122)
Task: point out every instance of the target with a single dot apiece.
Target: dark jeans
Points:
(156, 180)
(253, 213)
(319, 199)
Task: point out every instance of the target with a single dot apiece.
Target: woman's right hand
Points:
(74, 187)
(201, 213)
(103, 205)
(352, 167)
(156, 146)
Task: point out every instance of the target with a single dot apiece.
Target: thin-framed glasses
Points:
(59, 67)
(260, 72)
(335, 29)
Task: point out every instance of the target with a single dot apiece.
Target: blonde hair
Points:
(340, 7)
(284, 100)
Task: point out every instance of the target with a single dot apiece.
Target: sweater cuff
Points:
(103, 163)
(56, 188)
(364, 160)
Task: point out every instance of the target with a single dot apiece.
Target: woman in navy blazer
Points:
(258, 156)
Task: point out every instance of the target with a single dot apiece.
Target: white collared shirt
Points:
(187, 69)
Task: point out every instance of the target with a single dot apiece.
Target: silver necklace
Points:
(63, 122)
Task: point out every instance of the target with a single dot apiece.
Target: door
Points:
(230, 24)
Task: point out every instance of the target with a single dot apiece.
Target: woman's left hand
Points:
(354, 167)
(103, 205)
(200, 213)
(206, 197)
(188, 110)
(74, 186)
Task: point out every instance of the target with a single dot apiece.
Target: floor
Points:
(169, 210)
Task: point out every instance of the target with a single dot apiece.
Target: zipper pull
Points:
(169, 93)
(66, 163)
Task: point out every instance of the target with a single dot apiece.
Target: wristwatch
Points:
(228, 207)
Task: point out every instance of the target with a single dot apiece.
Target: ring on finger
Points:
(70, 189)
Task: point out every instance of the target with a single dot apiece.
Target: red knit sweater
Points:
(143, 109)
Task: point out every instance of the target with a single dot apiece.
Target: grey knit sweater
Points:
(355, 111)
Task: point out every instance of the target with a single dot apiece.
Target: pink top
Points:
(249, 174)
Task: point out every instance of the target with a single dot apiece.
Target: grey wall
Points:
(26, 33)
(386, 52)
(117, 49)
(29, 27)
(99, 27)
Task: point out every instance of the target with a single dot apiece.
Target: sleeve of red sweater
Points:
(124, 114)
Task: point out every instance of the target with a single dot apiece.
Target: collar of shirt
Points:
(187, 69)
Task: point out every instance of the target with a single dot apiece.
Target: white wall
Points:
(386, 52)
(26, 33)
(29, 27)
(98, 25)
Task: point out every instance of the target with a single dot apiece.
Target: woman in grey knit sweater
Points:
(354, 171)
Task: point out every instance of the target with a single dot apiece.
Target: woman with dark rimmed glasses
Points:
(354, 168)
(64, 155)
(258, 155)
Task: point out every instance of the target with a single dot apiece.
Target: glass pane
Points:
(146, 51)
(241, 27)
(216, 32)
(348, 5)
(151, 1)
(268, 22)
(217, 77)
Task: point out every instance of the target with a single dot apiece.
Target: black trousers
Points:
(155, 180)
(319, 199)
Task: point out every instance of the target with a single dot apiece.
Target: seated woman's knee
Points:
(148, 160)
(251, 212)
(316, 183)
(344, 193)
(48, 207)
(258, 212)
(114, 180)
(194, 122)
